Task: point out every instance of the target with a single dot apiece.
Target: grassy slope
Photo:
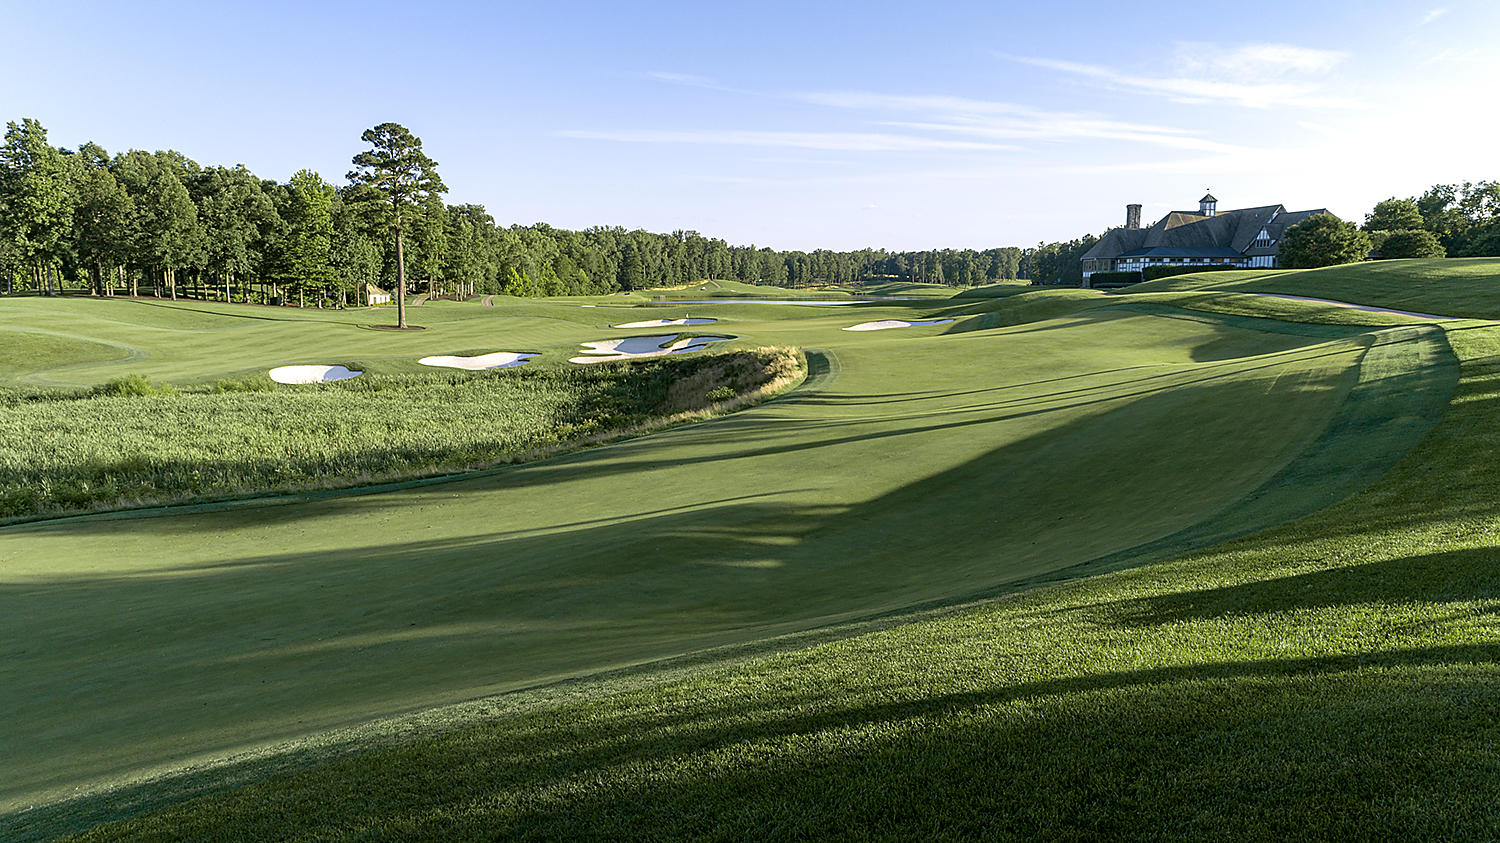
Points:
(1448, 286)
(1335, 678)
(532, 784)
(722, 532)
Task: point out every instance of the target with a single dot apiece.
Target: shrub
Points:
(1411, 243)
(131, 386)
(1151, 273)
(1114, 278)
(1323, 240)
(247, 384)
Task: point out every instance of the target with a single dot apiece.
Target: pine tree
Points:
(397, 173)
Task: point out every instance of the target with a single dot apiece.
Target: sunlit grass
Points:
(1330, 678)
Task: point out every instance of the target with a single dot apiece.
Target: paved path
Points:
(1367, 308)
(418, 301)
(487, 301)
(1352, 306)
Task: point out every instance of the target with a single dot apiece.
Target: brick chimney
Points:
(1132, 217)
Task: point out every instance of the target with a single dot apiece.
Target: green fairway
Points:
(916, 466)
(1331, 679)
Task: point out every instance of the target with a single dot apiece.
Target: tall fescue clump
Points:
(131, 442)
(132, 386)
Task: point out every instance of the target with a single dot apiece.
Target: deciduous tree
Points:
(36, 199)
(1394, 215)
(306, 259)
(103, 217)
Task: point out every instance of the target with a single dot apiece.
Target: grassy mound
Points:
(1444, 286)
(134, 443)
(1331, 677)
(914, 467)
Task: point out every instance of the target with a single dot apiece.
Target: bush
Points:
(248, 384)
(1114, 278)
(1151, 273)
(1411, 243)
(1323, 240)
(131, 386)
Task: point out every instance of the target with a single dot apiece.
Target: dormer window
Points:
(1263, 240)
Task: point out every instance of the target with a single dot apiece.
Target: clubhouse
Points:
(1247, 237)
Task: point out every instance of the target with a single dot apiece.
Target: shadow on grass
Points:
(1436, 578)
(262, 646)
(1271, 749)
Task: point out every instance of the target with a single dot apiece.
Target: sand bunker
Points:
(495, 360)
(634, 348)
(311, 374)
(662, 323)
(895, 323)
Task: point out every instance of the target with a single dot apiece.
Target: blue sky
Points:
(798, 125)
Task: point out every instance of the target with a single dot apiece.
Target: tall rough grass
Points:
(132, 443)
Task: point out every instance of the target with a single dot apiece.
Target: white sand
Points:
(662, 323)
(494, 360)
(311, 374)
(633, 348)
(895, 323)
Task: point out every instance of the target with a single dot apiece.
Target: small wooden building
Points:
(374, 295)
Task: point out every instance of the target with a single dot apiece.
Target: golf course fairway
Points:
(914, 468)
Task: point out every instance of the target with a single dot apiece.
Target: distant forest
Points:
(162, 223)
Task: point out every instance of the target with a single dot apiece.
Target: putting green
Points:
(915, 466)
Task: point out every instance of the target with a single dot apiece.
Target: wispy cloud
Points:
(688, 79)
(1255, 61)
(1008, 121)
(839, 141)
(1432, 15)
(1252, 76)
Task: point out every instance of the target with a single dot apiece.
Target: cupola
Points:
(1207, 205)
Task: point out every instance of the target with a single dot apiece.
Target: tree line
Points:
(162, 224)
(1449, 220)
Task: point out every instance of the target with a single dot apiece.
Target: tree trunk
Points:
(400, 279)
(172, 283)
(228, 276)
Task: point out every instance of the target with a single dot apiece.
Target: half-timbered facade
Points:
(1246, 237)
